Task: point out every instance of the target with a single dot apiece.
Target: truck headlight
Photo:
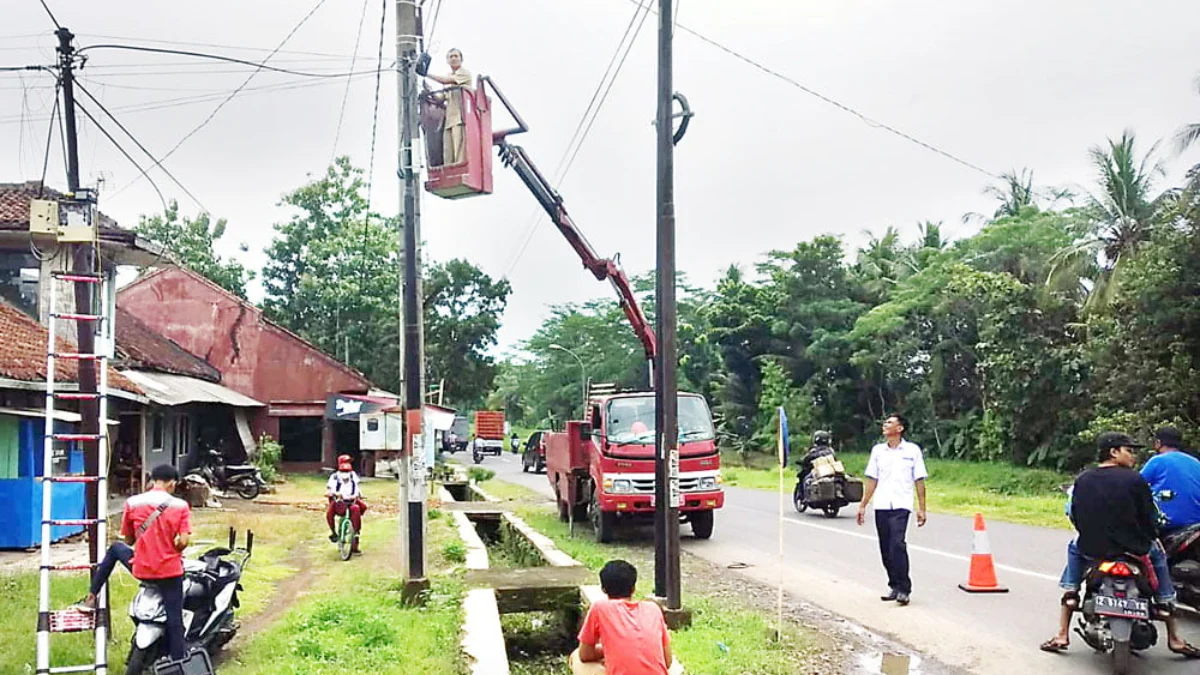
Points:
(708, 483)
(622, 485)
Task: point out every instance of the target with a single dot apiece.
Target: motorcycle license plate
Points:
(1131, 608)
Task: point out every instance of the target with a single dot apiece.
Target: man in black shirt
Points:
(1114, 514)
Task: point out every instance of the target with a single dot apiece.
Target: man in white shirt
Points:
(895, 467)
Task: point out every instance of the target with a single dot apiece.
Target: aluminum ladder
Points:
(71, 620)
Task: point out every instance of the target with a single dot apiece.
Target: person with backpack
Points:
(344, 491)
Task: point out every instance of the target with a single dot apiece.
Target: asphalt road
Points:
(834, 564)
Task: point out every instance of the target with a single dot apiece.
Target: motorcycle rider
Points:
(343, 490)
(1114, 515)
(1174, 478)
(822, 446)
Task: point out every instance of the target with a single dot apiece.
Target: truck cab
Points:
(603, 468)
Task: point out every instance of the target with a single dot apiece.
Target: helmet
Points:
(822, 438)
(344, 459)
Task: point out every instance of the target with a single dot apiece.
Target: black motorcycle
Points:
(1183, 558)
(210, 597)
(244, 479)
(1116, 609)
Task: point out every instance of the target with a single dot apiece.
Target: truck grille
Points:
(646, 485)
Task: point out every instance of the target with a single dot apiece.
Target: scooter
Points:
(244, 479)
(1183, 558)
(827, 493)
(210, 595)
(1117, 612)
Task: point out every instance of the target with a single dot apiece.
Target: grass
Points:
(722, 640)
(999, 491)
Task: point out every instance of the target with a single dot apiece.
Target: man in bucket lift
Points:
(454, 124)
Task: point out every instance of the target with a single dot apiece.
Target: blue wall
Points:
(21, 497)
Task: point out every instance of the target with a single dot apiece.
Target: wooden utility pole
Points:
(412, 465)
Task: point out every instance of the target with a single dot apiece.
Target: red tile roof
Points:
(14, 204)
(23, 352)
(138, 346)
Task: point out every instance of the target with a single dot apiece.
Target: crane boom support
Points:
(603, 269)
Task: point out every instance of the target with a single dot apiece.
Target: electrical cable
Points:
(49, 141)
(141, 147)
(213, 44)
(375, 113)
(837, 104)
(258, 66)
(132, 161)
(47, 8)
(582, 129)
(362, 17)
(437, 11)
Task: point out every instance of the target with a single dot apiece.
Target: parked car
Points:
(534, 455)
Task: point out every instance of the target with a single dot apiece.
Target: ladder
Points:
(71, 620)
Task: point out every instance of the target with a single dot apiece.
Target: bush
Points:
(270, 456)
(479, 474)
(455, 551)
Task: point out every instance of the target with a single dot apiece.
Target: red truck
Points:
(489, 434)
(603, 468)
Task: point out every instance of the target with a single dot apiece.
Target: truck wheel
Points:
(603, 522)
(702, 524)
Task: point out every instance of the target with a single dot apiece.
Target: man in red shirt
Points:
(159, 526)
(621, 636)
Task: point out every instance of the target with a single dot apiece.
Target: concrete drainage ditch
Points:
(525, 597)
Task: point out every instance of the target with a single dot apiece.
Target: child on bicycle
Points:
(344, 492)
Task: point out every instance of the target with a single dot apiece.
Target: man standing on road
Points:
(895, 467)
(1174, 478)
(160, 527)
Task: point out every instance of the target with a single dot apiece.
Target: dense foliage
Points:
(1061, 316)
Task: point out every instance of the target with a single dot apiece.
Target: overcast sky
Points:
(999, 83)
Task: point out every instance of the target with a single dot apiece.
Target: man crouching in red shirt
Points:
(159, 526)
(621, 636)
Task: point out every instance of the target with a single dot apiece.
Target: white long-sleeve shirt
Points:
(343, 485)
(895, 471)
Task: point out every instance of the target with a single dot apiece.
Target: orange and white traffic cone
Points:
(982, 577)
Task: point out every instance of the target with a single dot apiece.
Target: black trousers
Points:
(119, 552)
(892, 526)
(171, 590)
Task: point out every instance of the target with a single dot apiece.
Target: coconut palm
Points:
(1185, 138)
(1014, 193)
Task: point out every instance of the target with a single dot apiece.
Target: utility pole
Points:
(666, 470)
(412, 464)
(83, 257)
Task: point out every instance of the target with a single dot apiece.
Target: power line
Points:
(584, 126)
(47, 8)
(141, 147)
(437, 11)
(837, 104)
(362, 17)
(215, 57)
(375, 113)
(49, 140)
(213, 44)
(118, 146)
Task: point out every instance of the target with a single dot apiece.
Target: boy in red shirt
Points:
(621, 636)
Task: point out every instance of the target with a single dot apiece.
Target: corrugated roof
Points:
(169, 390)
(23, 352)
(139, 347)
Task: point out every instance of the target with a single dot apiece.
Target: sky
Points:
(998, 84)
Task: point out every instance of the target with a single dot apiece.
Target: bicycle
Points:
(345, 532)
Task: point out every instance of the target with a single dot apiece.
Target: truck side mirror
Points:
(585, 431)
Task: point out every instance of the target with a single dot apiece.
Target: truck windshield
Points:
(631, 420)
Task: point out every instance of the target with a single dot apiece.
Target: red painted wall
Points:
(255, 357)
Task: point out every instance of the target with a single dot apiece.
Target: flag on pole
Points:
(784, 445)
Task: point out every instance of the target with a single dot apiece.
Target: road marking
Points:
(914, 547)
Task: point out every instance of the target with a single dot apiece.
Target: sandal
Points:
(1053, 645)
(1187, 651)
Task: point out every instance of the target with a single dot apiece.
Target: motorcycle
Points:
(476, 454)
(210, 595)
(1183, 559)
(826, 488)
(244, 479)
(1117, 615)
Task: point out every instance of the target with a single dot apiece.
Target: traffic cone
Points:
(982, 577)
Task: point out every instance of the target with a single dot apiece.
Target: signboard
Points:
(673, 492)
(416, 474)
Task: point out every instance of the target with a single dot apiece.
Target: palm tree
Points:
(881, 263)
(1185, 138)
(1015, 192)
(1124, 212)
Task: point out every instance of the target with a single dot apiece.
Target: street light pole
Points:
(582, 374)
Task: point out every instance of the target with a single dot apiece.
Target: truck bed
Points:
(489, 425)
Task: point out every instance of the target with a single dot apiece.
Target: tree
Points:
(191, 242)
(463, 306)
(1187, 136)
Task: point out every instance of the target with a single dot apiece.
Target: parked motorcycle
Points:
(244, 479)
(1183, 558)
(210, 595)
(826, 488)
(1116, 611)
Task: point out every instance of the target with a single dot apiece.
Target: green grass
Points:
(998, 491)
(311, 487)
(722, 640)
(509, 492)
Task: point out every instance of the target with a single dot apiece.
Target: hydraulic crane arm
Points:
(603, 269)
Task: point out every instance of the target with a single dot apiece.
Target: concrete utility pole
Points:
(412, 462)
(83, 258)
(666, 472)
